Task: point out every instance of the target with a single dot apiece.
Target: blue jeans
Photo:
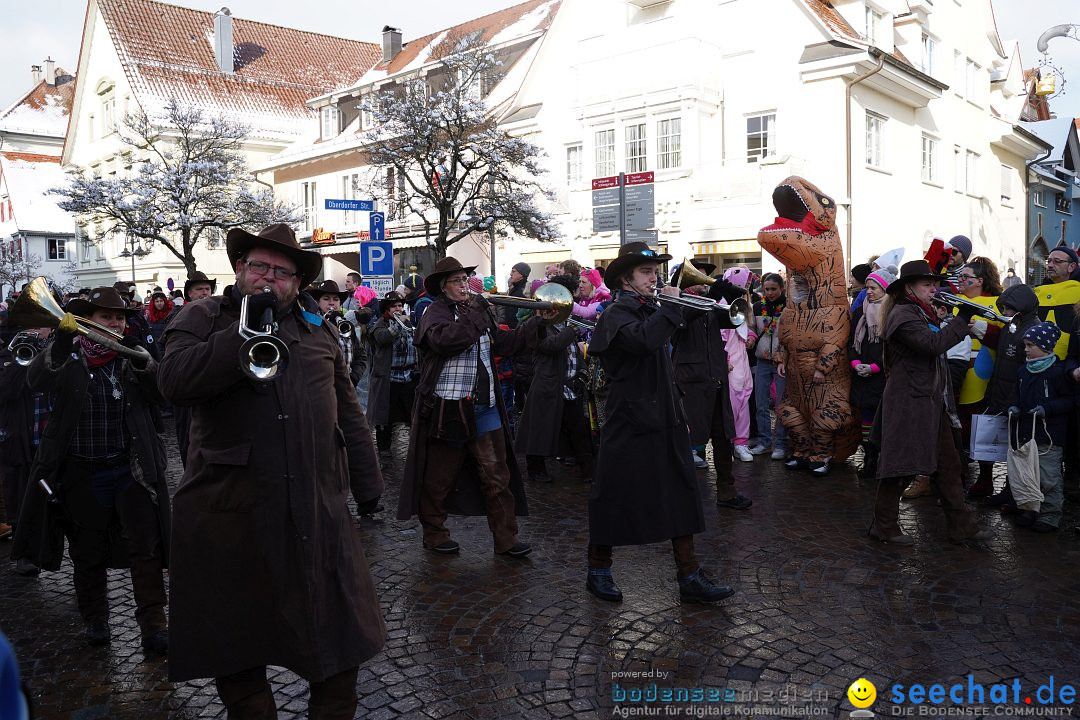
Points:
(1051, 483)
(764, 372)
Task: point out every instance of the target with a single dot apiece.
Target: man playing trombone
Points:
(330, 298)
(393, 372)
(267, 567)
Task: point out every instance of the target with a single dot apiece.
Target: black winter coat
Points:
(16, 412)
(644, 487)
(1003, 389)
(1055, 391)
(866, 391)
(538, 429)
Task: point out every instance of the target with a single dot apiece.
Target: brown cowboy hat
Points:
(630, 256)
(389, 299)
(196, 278)
(279, 237)
(327, 287)
(126, 289)
(446, 266)
(910, 271)
(101, 298)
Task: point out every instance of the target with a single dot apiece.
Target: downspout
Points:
(847, 143)
(1027, 213)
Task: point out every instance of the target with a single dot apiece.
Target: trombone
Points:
(549, 296)
(263, 356)
(36, 307)
(956, 301)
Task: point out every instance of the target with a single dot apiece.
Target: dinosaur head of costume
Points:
(795, 198)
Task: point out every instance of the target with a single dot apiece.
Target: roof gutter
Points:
(847, 143)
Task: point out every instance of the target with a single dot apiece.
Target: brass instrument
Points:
(689, 276)
(344, 327)
(401, 321)
(36, 307)
(23, 347)
(549, 296)
(580, 324)
(263, 356)
(957, 301)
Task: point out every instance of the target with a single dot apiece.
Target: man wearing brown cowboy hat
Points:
(329, 298)
(393, 371)
(644, 486)
(267, 566)
(104, 466)
(459, 413)
(198, 286)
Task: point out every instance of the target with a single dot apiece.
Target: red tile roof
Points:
(31, 157)
(45, 108)
(167, 52)
(842, 29)
(531, 16)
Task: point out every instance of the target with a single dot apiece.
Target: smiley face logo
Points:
(862, 693)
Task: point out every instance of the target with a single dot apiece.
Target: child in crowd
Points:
(740, 378)
(769, 355)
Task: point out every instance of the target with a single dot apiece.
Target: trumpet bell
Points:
(263, 357)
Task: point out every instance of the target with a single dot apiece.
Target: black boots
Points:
(697, 588)
(868, 471)
(603, 586)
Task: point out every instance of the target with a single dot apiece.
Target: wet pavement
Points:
(818, 605)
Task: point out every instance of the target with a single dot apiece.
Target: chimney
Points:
(391, 42)
(35, 75)
(223, 42)
(50, 71)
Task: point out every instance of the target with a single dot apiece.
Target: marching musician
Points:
(330, 298)
(267, 566)
(644, 486)
(101, 470)
(393, 371)
(460, 413)
(554, 422)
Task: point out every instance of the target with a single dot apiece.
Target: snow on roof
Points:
(27, 184)
(1055, 132)
(167, 52)
(44, 110)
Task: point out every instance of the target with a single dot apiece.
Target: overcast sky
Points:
(34, 29)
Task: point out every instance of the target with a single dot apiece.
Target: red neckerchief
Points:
(928, 310)
(809, 225)
(96, 355)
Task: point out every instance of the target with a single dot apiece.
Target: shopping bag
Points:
(1024, 480)
(989, 438)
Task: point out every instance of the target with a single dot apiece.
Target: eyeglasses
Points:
(261, 268)
(457, 281)
(1056, 261)
(967, 278)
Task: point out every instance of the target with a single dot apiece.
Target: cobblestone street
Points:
(818, 605)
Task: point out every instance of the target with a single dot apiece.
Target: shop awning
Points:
(727, 247)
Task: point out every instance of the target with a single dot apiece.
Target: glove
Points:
(257, 306)
(64, 339)
(966, 312)
(1013, 410)
(369, 507)
(862, 369)
(1038, 411)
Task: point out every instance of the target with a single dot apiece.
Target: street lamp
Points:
(133, 249)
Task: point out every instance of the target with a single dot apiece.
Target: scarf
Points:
(928, 310)
(96, 355)
(1038, 365)
(869, 327)
(808, 225)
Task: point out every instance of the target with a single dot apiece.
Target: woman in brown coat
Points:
(917, 395)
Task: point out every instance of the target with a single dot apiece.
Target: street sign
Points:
(381, 284)
(605, 218)
(605, 196)
(639, 206)
(625, 203)
(645, 236)
(377, 225)
(350, 205)
(377, 258)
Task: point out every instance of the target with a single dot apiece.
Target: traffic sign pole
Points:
(622, 204)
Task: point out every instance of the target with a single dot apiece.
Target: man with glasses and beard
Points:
(267, 565)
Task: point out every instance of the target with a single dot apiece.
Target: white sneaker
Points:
(743, 454)
(779, 453)
(759, 449)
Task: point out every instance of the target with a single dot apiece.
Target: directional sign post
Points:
(377, 225)
(626, 203)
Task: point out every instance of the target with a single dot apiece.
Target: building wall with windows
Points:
(1053, 195)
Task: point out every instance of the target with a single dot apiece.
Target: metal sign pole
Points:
(622, 208)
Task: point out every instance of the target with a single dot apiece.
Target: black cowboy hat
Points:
(389, 299)
(101, 298)
(126, 289)
(913, 270)
(279, 237)
(630, 256)
(446, 266)
(196, 278)
(328, 287)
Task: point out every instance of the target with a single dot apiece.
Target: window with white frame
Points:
(929, 48)
(604, 152)
(875, 139)
(574, 169)
(1038, 196)
(971, 172)
(971, 80)
(760, 136)
(367, 118)
(930, 170)
(57, 249)
(874, 19)
(959, 81)
(1006, 185)
(330, 122)
(108, 113)
(307, 198)
(668, 143)
(636, 160)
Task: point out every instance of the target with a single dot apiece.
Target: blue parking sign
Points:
(376, 258)
(377, 225)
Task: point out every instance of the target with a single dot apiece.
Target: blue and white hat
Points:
(1044, 335)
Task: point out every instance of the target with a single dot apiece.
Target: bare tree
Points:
(18, 268)
(434, 138)
(192, 181)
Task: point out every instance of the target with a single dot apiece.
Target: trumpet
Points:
(401, 321)
(737, 311)
(956, 301)
(23, 347)
(344, 327)
(550, 296)
(580, 324)
(263, 356)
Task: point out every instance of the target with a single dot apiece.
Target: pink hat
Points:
(738, 276)
(593, 276)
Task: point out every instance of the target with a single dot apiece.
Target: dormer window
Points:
(874, 20)
(330, 121)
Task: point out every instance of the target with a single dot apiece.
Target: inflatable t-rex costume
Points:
(814, 327)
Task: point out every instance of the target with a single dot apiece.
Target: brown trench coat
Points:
(268, 567)
(439, 337)
(906, 426)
